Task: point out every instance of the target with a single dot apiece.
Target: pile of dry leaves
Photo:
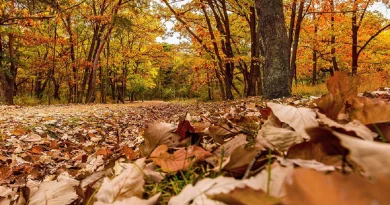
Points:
(328, 150)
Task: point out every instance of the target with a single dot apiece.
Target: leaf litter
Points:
(328, 150)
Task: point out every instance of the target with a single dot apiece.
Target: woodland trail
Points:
(183, 152)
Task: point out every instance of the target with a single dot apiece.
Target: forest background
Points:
(82, 51)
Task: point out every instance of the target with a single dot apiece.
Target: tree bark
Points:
(333, 39)
(91, 94)
(254, 73)
(296, 42)
(355, 29)
(277, 81)
(314, 54)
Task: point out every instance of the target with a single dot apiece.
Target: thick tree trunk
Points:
(277, 81)
(10, 75)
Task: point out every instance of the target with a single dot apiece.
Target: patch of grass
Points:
(173, 184)
(305, 90)
(26, 100)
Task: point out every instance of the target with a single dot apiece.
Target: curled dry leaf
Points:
(245, 196)
(184, 129)
(92, 179)
(31, 138)
(197, 194)
(54, 192)
(158, 134)
(372, 156)
(369, 111)
(311, 187)
(277, 179)
(239, 158)
(180, 159)
(309, 164)
(356, 127)
(226, 149)
(136, 201)
(298, 118)
(279, 138)
(323, 147)
(220, 132)
(127, 184)
(342, 89)
(151, 175)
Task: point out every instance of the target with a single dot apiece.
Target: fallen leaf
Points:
(309, 164)
(373, 157)
(31, 138)
(280, 138)
(226, 149)
(197, 194)
(37, 149)
(323, 147)
(179, 160)
(220, 132)
(311, 187)
(134, 200)
(103, 151)
(369, 111)
(127, 184)
(265, 112)
(151, 175)
(245, 196)
(342, 89)
(355, 127)
(184, 129)
(158, 134)
(298, 118)
(128, 152)
(54, 192)
(19, 131)
(276, 181)
(5, 172)
(240, 157)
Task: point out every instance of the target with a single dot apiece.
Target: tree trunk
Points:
(254, 72)
(314, 57)
(277, 81)
(296, 42)
(74, 81)
(333, 38)
(91, 94)
(2, 79)
(355, 29)
(56, 94)
(10, 76)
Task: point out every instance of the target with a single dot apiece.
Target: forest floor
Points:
(238, 152)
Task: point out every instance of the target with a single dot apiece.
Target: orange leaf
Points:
(312, 187)
(369, 111)
(179, 160)
(130, 154)
(37, 149)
